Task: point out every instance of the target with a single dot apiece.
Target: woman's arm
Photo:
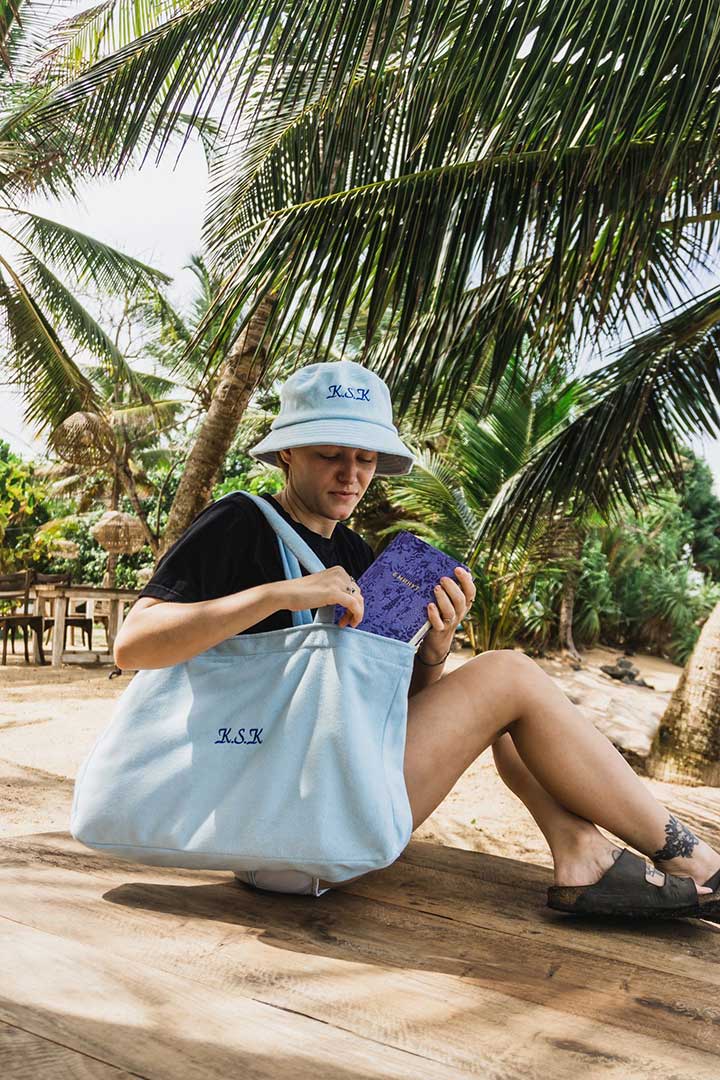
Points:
(160, 633)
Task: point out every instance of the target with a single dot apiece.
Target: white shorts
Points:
(294, 881)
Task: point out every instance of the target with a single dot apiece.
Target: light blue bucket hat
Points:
(340, 403)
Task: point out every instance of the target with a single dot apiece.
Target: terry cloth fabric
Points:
(230, 546)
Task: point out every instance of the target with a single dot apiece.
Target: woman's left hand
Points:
(453, 600)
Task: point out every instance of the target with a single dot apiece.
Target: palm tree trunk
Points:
(567, 611)
(131, 490)
(238, 378)
(108, 581)
(686, 749)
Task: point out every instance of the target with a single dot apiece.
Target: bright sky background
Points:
(156, 215)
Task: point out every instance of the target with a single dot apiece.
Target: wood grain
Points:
(24, 1056)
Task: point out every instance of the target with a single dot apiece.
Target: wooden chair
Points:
(73, 618)
(23, 619)
(100, 611)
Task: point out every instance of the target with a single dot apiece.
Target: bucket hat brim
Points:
(394, 457)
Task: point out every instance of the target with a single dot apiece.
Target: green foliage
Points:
(538, 611)
(594, 602)
(445, 497)
(702, 505)
(639, 586)
(22, 510)
(236, 476)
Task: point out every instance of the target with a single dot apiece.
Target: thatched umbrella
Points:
(120, 534)
(63, 548)
(83, 438)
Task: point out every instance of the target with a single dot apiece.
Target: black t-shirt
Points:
(230, 546)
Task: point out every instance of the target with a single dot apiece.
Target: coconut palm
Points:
(43, 323)
(565, 154)
(663, 386)
(469, 181)
(108, 452)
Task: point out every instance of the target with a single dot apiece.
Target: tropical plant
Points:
(22, 509)
(448, 491)
(642, 577)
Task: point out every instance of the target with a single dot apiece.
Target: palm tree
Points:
(42, 321)
(470, 181)
(685, 749)
(564, 153)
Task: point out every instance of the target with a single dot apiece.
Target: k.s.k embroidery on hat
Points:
(360, 393)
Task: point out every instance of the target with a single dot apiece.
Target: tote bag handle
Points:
(293, 550)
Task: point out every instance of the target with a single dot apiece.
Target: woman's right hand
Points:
(327, 587)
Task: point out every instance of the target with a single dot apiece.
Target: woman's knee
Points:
(507, 665)
(511, 674)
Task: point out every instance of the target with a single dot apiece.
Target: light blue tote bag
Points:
(277, 750)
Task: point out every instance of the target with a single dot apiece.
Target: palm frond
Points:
(70, 315)
(53, 386)
(9, 18)
(433, 485)
(142, 419)
(623, 443)
(81, 39)
(84, 257)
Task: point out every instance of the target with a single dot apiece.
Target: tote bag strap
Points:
(293, 550)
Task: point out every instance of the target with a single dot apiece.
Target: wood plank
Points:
(81, 592)
(457, 885)
(433, 978)
(24, 1056)
(166, 1027)
(477, 889)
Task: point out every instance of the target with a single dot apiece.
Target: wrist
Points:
(433, 657)
(279, 596)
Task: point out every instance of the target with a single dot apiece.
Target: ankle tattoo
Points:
(679, 841)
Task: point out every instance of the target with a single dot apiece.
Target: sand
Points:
(50, 717)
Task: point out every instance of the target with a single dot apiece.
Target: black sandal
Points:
(624, 890)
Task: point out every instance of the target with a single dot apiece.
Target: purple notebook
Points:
(398, 586)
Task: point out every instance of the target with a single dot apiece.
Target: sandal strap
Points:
(625, 882)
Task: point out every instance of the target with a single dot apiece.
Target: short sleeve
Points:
(208, 560)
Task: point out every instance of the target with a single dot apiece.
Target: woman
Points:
(333, 433)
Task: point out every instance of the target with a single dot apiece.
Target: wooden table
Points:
(61, 594)
(445, 965)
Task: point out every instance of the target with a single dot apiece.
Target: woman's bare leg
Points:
(580, 852)
(452, 721)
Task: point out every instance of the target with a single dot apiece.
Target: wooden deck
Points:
(444, 965)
